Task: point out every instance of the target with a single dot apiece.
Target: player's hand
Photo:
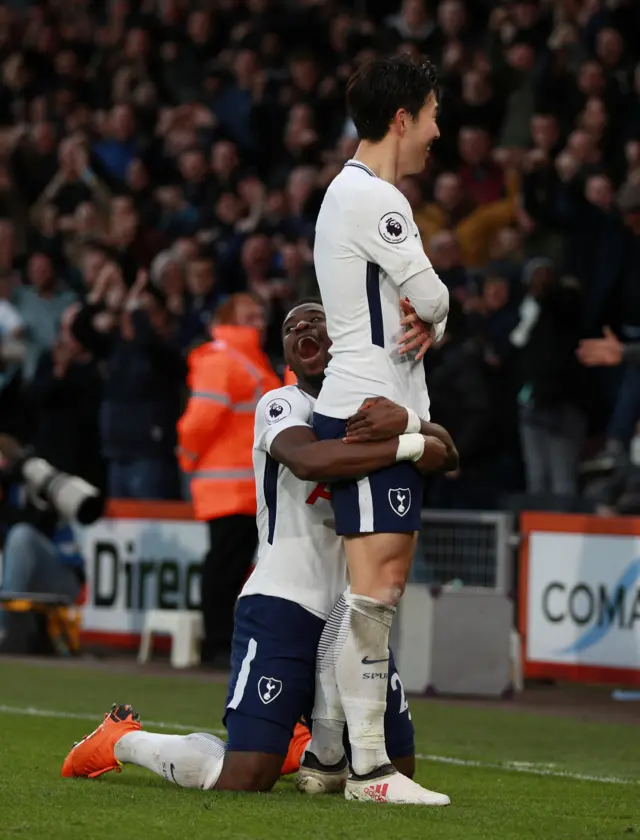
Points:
(434, 457)
(376, 419)
(418, 335)
(601, 352)
(440, 433)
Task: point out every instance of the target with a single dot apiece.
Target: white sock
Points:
(328, 715)
(362, 673)
(190, 761)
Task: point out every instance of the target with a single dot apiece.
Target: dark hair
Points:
(306, 300)
(380, 87)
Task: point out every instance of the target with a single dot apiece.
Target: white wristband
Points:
(413, 423)
(410, 447)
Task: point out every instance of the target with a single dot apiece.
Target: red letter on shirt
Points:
(320, 491)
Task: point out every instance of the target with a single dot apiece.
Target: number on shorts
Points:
(396, 684)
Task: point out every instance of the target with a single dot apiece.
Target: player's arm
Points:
(428, 295)
(382, 233)
(380, 418)
(332, 460)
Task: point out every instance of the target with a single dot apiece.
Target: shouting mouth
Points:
(307, 348)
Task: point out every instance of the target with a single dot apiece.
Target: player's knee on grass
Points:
(405, 765)
(250, 771)
(379, 564)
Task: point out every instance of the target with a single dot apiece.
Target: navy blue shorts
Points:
(388, 501)
(272, 682)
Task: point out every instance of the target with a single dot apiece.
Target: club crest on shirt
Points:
(277, 410)
(400, 500)
(268, 689)
(393, 228)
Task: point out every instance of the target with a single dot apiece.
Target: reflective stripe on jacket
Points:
(227, 378)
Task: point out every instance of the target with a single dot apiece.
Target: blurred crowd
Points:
(158, 156)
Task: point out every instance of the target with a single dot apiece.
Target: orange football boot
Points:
(297, 745)
(94, 755)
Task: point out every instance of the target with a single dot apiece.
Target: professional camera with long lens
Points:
(72, 497)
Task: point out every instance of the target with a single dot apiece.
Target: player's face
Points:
(305, 340)
(419, 134)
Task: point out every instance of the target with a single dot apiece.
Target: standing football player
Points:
(369, 259)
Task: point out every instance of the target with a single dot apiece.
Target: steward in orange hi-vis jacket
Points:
(227, 378)
(289, 377)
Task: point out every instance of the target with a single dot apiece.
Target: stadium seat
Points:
(186, 631)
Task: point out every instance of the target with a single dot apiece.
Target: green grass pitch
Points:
(510, 775)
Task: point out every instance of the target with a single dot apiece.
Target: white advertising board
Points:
(583, 600)
(137, 564)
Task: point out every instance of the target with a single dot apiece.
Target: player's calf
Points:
(249, 771)
(259, 771)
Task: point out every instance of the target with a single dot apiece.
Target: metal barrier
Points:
(474, 547)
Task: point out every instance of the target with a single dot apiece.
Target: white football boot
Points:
(314, 778)
(387, 785)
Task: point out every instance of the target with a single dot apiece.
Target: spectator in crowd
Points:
(506, 256)
(446, 258)
(134, 333)
(73, 185)
(203, 298)
(450, 206)
(480, 177)
(40, 305)
(462, 391)
(551, 398)
(608, 350)
(474, 224)
(65, 395)
(33, 157)
(495, 316)
(118, 146)
(227, 378)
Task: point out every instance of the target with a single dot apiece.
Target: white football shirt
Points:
(367, 246)
(300, 558)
